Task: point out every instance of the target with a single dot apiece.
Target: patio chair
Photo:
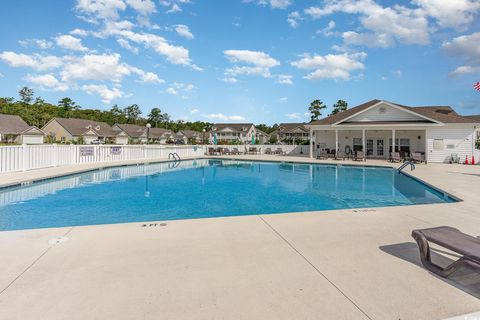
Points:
(395, 157)
(417, 157)
(322, 154)
(452, 239)
(219, 151)
(211, 151)
(268, 150)
(235, 151)
(340, 155)
(280, 151)
(226, 151)
(359, 156)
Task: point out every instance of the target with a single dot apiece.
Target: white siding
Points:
(459, 136)
(389, 114)
(32, 139)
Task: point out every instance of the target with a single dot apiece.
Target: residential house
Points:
(291, 133)
(14, 129)
(237, 133)
(138, 134)
(379, 127)
(189, 136)
(65, 130)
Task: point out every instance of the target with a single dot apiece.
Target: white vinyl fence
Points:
(31, 157)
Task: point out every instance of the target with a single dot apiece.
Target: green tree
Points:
(315, 109)
(26, 95)
(68, 104)
(339, 106)
(156, 116)
(132, 113)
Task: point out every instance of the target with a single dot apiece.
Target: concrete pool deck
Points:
(343, 264)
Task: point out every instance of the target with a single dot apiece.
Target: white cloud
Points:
(284, 79)
(275, 4)
(178, 88)
(283, 99)
(327, 31)
(36, 62)
(258, 63)
(150, 77)
(466, 47)
(460, 71)
(221, 116)
(331, 66)
(79, 32)
(294, 116)
(230, 80)
(103, 9)
(144, 7)
(107, 94)
(126, 45)
(41, 43)
(174, 5)
(69, 42)
(47, 82)
(194, 111)
(398, 73)
(96, 67)
(184, 31)
(385, 25)
(294, 19)
(456, 14)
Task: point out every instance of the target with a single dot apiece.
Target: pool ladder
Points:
(174, 155)
(406, 163)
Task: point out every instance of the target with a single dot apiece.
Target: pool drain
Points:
(57, 240)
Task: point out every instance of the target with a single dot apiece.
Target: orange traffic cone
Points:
(466, 160)
(473, 159)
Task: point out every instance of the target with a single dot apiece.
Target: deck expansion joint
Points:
(315, 268)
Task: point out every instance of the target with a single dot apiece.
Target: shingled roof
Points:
(234, 126)
(132, 130)
(444, 114)
(78, 127)
(12, 124)
(287, 127)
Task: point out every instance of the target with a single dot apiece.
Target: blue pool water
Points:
(205, 188)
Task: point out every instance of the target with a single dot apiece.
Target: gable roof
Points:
(475, 117)
(13, 124)
(444, 114)
(132, 130)
(287, 127)
(77, 127)
(190, 133)
(234, 126)
(155, 133)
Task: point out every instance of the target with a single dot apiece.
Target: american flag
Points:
(477, 86)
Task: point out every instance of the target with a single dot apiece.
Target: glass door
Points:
(379, 145)
(369, 147)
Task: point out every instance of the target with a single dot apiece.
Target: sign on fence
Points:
(115, 150)
(86, 151)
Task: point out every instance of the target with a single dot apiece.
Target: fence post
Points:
(74, 153)
(24, 157)
(145, 151)
(55, 155)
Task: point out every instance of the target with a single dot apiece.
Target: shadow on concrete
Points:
(465, 279)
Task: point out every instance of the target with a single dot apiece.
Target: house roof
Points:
(190, 133)
(287, 127)
(77, 127)
(234, 126)
(12, 124)
(132, 130)
(156, 133)
(475, 117)
(444, 114)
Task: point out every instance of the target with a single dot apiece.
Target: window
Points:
(357, 144)
(438, 144)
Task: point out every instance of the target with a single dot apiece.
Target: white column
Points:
(426, 146)
(336, 141)
(364, 144)
(55, 155)
(24, 157)
(393, 140)
(311, 143)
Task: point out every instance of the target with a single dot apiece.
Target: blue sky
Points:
(256, 60)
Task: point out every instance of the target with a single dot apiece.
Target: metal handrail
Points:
(406, 163)
(174, 155)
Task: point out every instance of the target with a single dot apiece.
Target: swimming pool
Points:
(205, 188)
